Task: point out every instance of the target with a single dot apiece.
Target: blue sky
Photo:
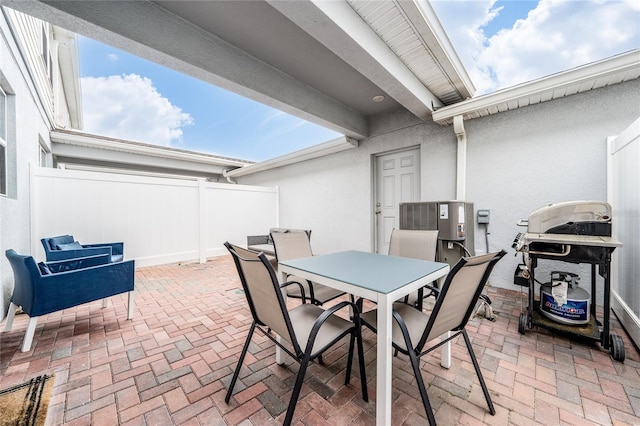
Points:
(501, 44)
(205, 117)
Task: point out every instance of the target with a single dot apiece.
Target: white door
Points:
(397, 181)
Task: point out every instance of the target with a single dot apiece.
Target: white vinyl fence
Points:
(159, 220)
(624, 196)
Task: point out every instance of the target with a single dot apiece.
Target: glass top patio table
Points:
(369, 271)
(381, 278)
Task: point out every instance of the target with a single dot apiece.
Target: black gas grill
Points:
(575, 232)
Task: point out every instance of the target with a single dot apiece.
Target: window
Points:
(3, 142)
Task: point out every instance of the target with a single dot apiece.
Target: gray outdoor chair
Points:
(455, 303)
(416, 244)
(294, 245)
(308, 330)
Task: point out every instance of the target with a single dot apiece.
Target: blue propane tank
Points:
(577, 303)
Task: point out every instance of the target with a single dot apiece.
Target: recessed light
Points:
(378, 98)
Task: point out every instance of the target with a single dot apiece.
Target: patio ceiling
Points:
(321, 61)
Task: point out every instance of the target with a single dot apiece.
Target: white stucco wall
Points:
(517, 161)
(23, 148)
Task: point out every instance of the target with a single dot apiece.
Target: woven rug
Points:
(26, 404)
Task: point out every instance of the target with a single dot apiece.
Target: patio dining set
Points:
(396, 285)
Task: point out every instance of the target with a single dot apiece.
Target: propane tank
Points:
(561, 299)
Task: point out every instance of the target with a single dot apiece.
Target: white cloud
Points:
(557, 35)
(129, 107)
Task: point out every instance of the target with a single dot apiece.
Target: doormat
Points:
(26, 404)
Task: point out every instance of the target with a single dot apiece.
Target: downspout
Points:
(229, 178)
(461, 193)
(461, 166)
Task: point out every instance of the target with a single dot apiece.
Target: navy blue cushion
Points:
(63, 239)
(44, 269)
(70, 246)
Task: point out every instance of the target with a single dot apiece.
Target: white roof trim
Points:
(439, 44)
(101, 142)
(336, 145)
(587, 77)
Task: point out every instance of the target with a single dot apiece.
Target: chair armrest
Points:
(72, 288)
(78, 263)
(325, 316)
(432, 288)
(116, 248)
(83, 252)
(288, 283)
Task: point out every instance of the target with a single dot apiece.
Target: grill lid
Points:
(572, 217)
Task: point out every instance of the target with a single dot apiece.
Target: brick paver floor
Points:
(173, 362)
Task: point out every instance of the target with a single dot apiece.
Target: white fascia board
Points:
(546, 85)
(94, 141)
(340, 29)
(425, 20)
(336, 145)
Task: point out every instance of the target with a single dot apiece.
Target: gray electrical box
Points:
(483, 216)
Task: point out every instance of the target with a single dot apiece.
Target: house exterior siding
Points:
(517, 161)
(29, 120)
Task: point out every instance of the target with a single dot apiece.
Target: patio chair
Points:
(294, 245)
(40, 289)
(66, 247)
(416, 244)
(308, 329)
(455, 303)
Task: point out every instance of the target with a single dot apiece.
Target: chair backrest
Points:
(458, 295)
(51, 243)
(25, 275)
(291, 245)
(263, 293)
(416, 244)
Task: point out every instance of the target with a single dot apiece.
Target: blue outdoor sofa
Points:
(66, 247)
(40, 289)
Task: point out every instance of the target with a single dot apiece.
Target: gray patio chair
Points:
(416, 244)
(294, 245)
(455, 303)
(308, 330)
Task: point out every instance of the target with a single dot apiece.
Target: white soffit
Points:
(413, 32)
(617, 69)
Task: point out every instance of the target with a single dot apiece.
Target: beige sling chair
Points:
(455, 303)
(416, 244)
(306, 330)
(294, 245)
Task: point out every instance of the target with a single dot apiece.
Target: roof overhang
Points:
(323, 61)
(81, 148)
(617, 69)
(66, 43)
(331, 147)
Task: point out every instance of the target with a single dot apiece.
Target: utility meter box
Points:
(483, 216)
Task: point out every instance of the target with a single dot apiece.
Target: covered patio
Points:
(172, 364)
